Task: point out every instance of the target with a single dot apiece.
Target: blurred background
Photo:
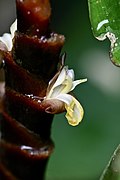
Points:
(81, 152)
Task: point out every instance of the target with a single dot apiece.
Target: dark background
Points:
(81, 152)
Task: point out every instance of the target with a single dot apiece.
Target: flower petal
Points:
(74, 113)
(74, 109)
(13, 28)
(66, 98)
(56, 91)
(70, 73)
(51, 89)
(67, 85)
(62, 85)
(7, 40)
(7, 37)
(75, 83)
(60, 78)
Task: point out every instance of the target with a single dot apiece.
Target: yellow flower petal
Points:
(74, 113)
(74, 109)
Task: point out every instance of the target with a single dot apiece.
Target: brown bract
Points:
(53, 106)
(34, 16)
(27, 117)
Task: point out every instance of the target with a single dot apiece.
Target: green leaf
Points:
(105, 21)
(112, 171)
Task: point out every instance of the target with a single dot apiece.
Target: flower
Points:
(6, 39)
(58, 89)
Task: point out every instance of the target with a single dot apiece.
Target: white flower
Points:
(6, 39)
(59, 87)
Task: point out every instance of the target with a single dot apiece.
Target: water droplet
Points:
(100, 24)
(37, 30)
(2, 63)
(28, 12)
